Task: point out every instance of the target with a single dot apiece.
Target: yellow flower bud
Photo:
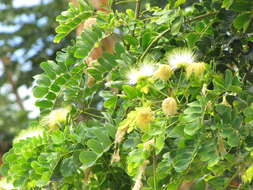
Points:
(164, 72)
(144, 117)
(196, 69)
(148, 145)
(55, 117)
(224, 101)
(169, 106)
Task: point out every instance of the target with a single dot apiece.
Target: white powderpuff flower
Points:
(145, 70)
(181, 58)
(28, 133)
(133, 76)
(5, 185)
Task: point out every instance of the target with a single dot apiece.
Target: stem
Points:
(168, 30)
(137, 9)
(122, 2)
(137, 14)
(6, 63)
(154, 170)
(201, 16)
(153, 42)
(91, 114)
(166, 95)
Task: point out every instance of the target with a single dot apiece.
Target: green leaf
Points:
(111, 103)
(192, 128)
(47, 68)
(71, 19)
(179, 2)
(102, 137)
(176, 25)
(42, 80)
(233, 139)
(228, 79)
(248, 175)
(44, 103)
(57, 137)
(242, 21)
(88, 158)
(192, 38)
(68, 167)
(227, 3)
(146, 39)
(39, 91)
(248, 112)
(130, 91)
(183, 159)
(95, 146)
(242, 5)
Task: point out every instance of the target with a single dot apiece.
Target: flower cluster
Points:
(178, 58)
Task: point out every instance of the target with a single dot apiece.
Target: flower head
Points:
(4, 184)
(181, 58)
(144, 117)
(55, 117)
(133, 76)
(169, 106)
(144, 71)
(147, 70)
(30, 132)
(164, 72)
(196, 69)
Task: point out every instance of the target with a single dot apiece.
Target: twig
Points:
(154, 169)
(137, 9)
(6, 63)
(137, 13)
(201, 16)
(168, 30)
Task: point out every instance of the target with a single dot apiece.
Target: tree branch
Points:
(6, 63)
(168, 30)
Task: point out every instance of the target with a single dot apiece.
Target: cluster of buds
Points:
(185, 58)
(178, 58)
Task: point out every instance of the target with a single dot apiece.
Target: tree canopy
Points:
(169, 107)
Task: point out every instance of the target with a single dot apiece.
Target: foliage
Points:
(26, 36)
(133, 128)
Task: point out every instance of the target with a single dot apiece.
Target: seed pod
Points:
(169, 106)
(164, 72)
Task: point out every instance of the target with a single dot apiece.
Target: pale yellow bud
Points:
(148, 145)
(164, 72)
(55, 117)
(224, 101)
(197, 69)
(144, 117)
(169, 106)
